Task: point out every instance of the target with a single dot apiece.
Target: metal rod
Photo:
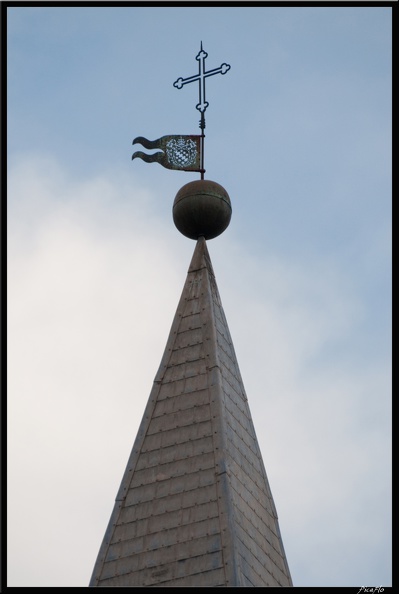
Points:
(202, 126)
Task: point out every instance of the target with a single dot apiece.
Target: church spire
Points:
(194, 507)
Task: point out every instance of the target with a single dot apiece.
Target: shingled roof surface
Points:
(194, 508)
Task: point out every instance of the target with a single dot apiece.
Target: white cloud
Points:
(321, 409)
(92, 292)
(94, 280)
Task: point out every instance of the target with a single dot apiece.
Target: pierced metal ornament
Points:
(178, 152)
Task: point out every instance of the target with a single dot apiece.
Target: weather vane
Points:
(185, 153)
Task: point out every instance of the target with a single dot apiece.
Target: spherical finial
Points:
(202, 208)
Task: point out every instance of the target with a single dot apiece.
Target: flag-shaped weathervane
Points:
(185, 153)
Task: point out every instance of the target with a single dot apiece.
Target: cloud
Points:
(93, 283)
(92, 293)
(320, 402)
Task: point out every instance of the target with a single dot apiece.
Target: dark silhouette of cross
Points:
(201, 76)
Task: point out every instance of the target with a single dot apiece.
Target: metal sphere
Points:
(202, 208)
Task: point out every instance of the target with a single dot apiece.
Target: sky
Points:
(298, 132)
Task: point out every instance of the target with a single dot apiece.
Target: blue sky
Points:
(299, 134)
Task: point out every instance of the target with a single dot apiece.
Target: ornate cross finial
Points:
(201, 76)
(183, 152)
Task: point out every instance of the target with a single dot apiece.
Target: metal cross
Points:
(201, 76)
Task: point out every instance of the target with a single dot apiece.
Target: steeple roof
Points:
(194, 508)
